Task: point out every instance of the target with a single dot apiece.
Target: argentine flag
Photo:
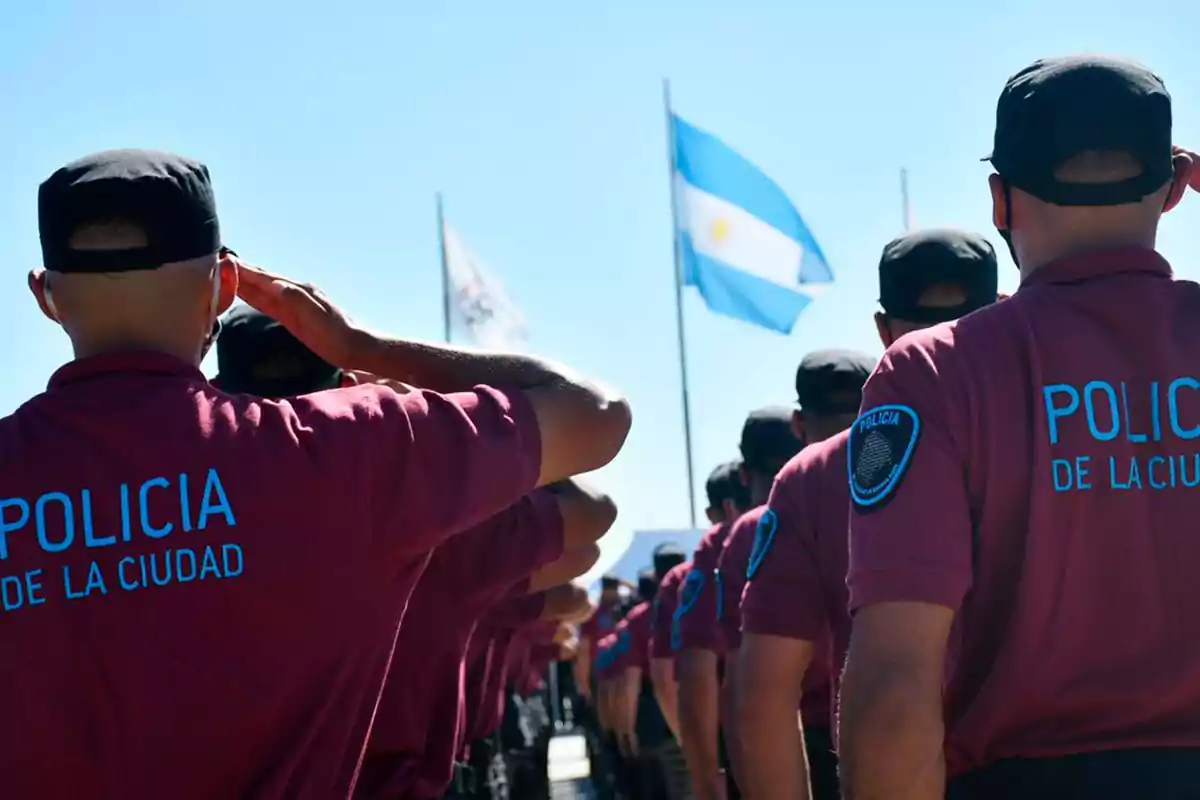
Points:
(743, 244)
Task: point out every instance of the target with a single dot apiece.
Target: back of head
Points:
(647, 586)
(129, 245)
(666, 558)
(257, 355)
(1083, 157)
(829, 386)
(768, 441)
(724, 486)
(933, 276)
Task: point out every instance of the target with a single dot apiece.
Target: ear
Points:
(712, 515)
(999, 208)
(798, 426)
(1185, 170)
(229, 283)
(885, 335)
(37, 285)
(731, 510)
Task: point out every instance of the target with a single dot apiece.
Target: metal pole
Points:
(441, 225)
(683, 374)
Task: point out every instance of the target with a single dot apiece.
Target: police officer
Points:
(1024, 477)
(794, 614)
(166, 536)
(647, 743)
(770, 437)
(593, 630)
(698, 660)
(662, 651)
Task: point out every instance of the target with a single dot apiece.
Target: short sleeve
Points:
(638, 654)
(590, 629)
(783, 588)
(427, 465)
(696, 612)
(664, 613)
(508, 547)
(910, 520)
(731, 579)
(517, 611)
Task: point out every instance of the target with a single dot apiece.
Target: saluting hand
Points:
(304, 311)
(1194, 178)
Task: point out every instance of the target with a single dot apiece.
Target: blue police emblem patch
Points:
(879, 453)
(764, 537)
(690, 593)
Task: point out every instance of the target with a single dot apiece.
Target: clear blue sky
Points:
(329, 127)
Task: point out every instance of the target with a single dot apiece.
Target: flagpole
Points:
(683, 375)
(445, 270)
(904, 199)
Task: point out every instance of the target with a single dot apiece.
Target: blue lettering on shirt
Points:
(879, 451)
(161, 508)
(1159, 412)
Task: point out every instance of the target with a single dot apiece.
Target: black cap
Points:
(725, 483)
(1057, 108)
(647, 585)
(257, 355)
(666, 558)
(610, 582)
(767, 439)
(913, 262)
(168, 197)
(831, 381)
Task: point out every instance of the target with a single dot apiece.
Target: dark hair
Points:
(725, 483)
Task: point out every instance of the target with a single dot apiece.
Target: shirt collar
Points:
(124, 364)
(1102, 262)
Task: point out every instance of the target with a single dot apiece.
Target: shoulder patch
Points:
(764, 537)
(879, 451)
(689, 593)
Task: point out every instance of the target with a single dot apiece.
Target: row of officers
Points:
(966, 571)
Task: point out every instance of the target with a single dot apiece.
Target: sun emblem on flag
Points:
(719, 230)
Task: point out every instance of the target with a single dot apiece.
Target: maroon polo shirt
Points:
(1035, 466)
(665, 603)
(797, 585)
(605, 663)
(416, 731)
(503, 624)
(696, 613)
(541, 656)
(598, 625)
(731, 575)
(203, 590)
(633, 639)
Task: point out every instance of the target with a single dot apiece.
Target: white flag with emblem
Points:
(479, 306)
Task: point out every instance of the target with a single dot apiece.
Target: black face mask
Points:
(1006, 234)
(211, 339)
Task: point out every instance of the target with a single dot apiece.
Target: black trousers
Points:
(731, 788)
(1149, 774)
(823, 763)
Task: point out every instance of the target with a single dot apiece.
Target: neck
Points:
(760, 489)
(1033, 258)
(184, 348)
